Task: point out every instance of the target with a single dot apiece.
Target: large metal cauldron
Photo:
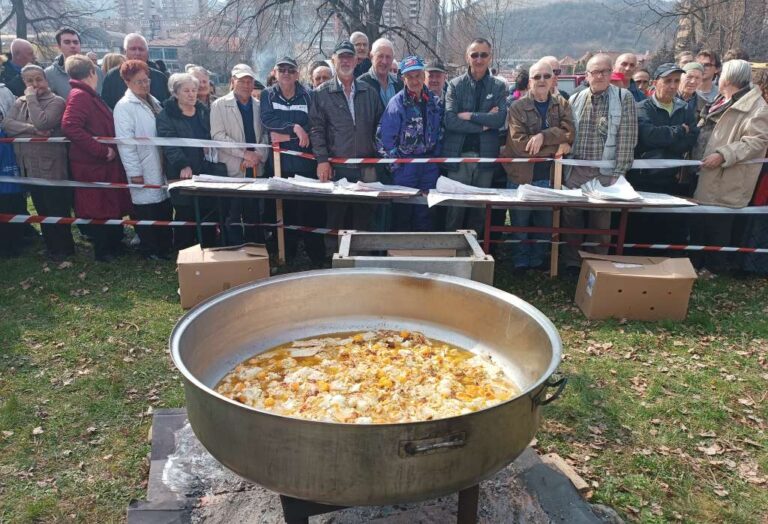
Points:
(350, 464)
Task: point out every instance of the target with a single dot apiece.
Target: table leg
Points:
(487, 231)
(622, 236)
(198, 220)
(555, 249)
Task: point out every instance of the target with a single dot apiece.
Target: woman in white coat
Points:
(135, 117)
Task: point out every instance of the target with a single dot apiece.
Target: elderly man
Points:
(320, 73)
(475, 110)
(711, 64)
(343, 119)
(68, 42)
(666, 129)
(379, 76)
(626, 64)
(690, 82)
(136, 48)
(605, 119)
(411, 126)
(285, 116)
(436, 77)
(236, 117)
(362, 50)
(22, 53)
(554, 64)
(540, 125)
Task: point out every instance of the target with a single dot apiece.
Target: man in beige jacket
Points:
(733, 131)
(235, 117)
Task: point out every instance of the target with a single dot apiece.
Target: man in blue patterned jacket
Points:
(411, 128)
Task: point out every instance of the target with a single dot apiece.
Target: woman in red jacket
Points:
(85, 117)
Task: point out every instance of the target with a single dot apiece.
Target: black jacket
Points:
(171, 124)
(661, 135)
(362, 67)
(114, 86)
(12, 80)
(333, 132)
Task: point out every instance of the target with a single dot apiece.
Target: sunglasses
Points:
(545, 76)
(557, 72)
(286, 70)
(479, 55)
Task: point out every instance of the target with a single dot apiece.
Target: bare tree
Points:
(44, 16)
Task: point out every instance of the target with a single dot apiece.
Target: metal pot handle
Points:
(541, 399)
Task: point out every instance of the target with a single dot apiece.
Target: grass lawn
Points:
(666, 420)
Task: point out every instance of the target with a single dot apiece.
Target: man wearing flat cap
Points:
(235, 117)
(436, 77)
(666, 129)
(343, 117)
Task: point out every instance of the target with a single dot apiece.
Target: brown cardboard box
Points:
(205, 272)
(636, 288)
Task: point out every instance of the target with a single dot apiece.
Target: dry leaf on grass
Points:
(38, 431)
(64, 265)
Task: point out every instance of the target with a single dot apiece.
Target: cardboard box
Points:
(636, 288)
(205, 272)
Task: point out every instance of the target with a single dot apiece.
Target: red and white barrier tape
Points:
(635, 245)
(637, 164)
(140, 141)
(37, 219)
(72, 183)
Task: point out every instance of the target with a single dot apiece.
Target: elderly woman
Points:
(135, 117)
(734, 129)
(38, 114)
(184, 116)
(204, 94)
(85, 117)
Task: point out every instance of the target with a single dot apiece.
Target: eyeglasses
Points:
(545, 76)
(600, 72)
(557, 72)
(141, 82)
(482, 54)
(286, 70)
(707, 65)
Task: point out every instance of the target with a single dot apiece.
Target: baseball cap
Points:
(693, 65)
(436, 65)
(344, 47)
(411, 63)
(241, 70)
(666, 70)
(287, 60)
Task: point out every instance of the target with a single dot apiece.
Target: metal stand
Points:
(298, 511)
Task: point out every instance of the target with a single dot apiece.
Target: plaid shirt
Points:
(593, 131)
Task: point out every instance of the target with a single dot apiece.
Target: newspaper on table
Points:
(373, 189)
(447, 185)
(300, 183)
(621, 190)
(531, 193)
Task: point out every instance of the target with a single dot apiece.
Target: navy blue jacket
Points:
(280, 114)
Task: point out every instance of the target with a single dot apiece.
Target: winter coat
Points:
(133, 118)
(85, 117)
(403, 130)
(114, 85)
(460, 98)
(279, 115)
(58, 79)
(661, 135)
(740, 134)
(12, 79)
(227, 126)
(6, 101)
(171, 123)
(524, 122)
(333, 132)
(32, 113)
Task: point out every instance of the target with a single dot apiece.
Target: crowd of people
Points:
(364, 103)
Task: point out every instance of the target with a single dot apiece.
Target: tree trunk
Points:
(21, 18)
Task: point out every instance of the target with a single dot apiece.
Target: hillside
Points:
(573, 28)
